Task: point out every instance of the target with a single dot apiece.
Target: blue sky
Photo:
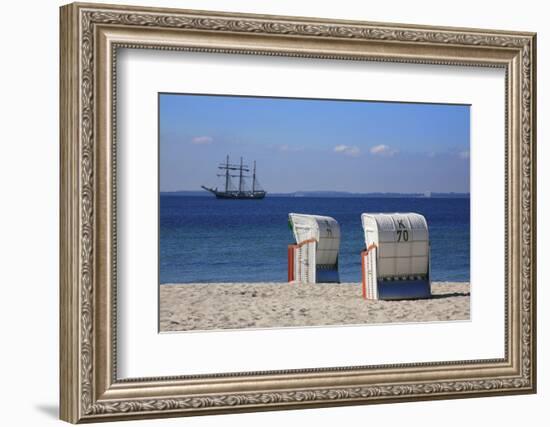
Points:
(315, 145)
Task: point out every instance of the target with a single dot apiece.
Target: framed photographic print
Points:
(265, 212)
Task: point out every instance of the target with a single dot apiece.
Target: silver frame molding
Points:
(90, 37)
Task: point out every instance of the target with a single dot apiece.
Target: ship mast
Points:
(254, 178)
(241, 177)
(227, 174)
(229, 168)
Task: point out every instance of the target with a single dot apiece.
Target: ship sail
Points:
(256, 186)
(222, 183)
(244, 189)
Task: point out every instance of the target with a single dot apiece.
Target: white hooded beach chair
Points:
(314, 257)
(396, 261)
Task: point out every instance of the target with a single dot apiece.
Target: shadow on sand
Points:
(453, 294)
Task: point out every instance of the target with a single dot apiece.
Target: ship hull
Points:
(235, 195)
(245, 196)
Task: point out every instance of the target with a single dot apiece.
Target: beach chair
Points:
(396, 261)
(314, 256)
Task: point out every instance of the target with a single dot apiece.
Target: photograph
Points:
(296, 212)
(274, 209)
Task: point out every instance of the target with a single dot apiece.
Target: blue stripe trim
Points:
(404, 289)
(324, 275)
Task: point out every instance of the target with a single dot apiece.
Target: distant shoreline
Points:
(336, 194)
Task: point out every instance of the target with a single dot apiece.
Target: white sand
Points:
(185, 307)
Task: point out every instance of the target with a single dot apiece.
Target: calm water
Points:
(203, 239)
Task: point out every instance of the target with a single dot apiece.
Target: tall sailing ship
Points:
(242, 191)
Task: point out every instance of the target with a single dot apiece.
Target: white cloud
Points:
(202, 140)
(348, 150)
(383, 150)
(464, 154)
(340, 148)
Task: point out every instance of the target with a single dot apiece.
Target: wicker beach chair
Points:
(396, 261)
(314, 256)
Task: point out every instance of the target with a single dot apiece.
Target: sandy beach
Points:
(207, 306)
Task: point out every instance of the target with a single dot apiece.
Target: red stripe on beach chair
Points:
(364, 269)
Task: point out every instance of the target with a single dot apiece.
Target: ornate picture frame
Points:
(90, 37)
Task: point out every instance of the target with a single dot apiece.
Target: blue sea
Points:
(203, 239)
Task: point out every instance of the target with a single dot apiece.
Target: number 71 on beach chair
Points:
(396, 261)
